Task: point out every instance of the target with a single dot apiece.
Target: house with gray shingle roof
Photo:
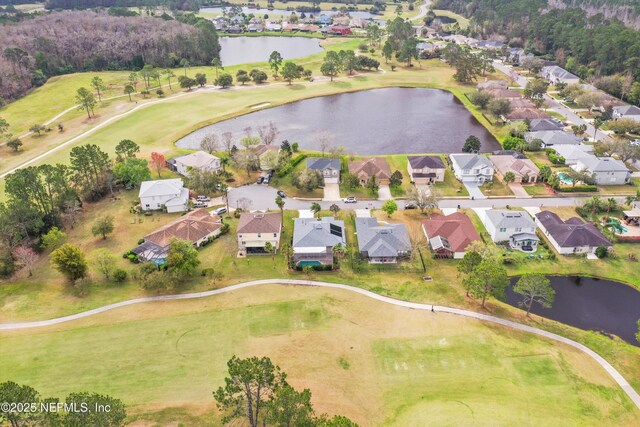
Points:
(472, 167)
(329, 168)
(425, 169)
(557, 74)
(605, 170)
(515, 227)
(552, 138)
(573, 236)
(382, 243)
(544, 124)
(314, 239)
(627, 112)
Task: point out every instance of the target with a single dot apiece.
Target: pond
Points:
(283, 12)
(243, 50)
(591, 304)
(369, 122)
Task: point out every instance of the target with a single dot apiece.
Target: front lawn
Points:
(450, 187)
(496, 188)
(284, 183)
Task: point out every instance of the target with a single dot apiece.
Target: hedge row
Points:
(579, 189)
(292, 164)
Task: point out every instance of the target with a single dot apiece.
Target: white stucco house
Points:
(169, 194)
(199, 160)
(472, 167)
(515, 227)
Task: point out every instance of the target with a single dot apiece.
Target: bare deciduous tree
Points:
(209, 143)
(26, 257)
(268, 133)
(324, 140)
(227, 141)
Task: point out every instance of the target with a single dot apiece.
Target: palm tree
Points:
(280, 204)
(287, 251)
(170, 74)
(217, 65)
(184, 63)
(224, 162)
(316, 208)
(270, 249)
(597, 123)
(612, 205)
(339, 252)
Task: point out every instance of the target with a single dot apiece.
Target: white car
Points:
(350, 199)
(220, 211)
(635, 142)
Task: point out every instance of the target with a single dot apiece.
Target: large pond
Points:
(370, 122)
(283, 12)
(242, 50)
(591, 304)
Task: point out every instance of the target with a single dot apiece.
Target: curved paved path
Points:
(618, 378)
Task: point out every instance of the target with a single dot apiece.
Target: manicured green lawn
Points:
(462, 21)
(496, 188)
(450, 186)
(290, 190)
(402, 366)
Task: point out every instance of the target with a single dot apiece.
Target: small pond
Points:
(243, 50)
(369, 122)
(591, 304)
(283, 12)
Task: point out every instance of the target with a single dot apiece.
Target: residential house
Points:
(556, 74)
(553, 138)
(168, 194)
(513, 153)
(504, 93)
(324, 19)
(341, 30)
(627, 112)
(521, 103)
(489, 44)
(373, 166)
(329, 168)
(266, 155)
(314, 239)
(237, 20)
(573, 236)
(448, 236)
(382, 243)
(273, 26)
(425, 169)
(572, 153)
(606, 170)
(255, 28)
(515, 227)
(256, 229)
(522, 114)
(472, 168)
(197, 227)
(536, 125)
(524, 170)
(198, 160)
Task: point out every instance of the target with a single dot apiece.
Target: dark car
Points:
(281, 194)
(260, 179)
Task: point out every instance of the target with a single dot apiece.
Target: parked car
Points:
(281, 194)
(266, 179)
(260, 179)
(410, 205)
(350, 199)
(635, 142)
(203, 198)
(220, 211)
(200, 204)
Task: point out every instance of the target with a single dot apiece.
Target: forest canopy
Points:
(76, 41)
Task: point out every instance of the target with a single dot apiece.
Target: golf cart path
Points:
(618, 378)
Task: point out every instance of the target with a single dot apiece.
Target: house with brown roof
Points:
(266, 153)
(449, 235)
(374, 166)
(573, 236)
(425, 169)
(256, 229)
(526, 114)
(504, 93)
(524, 170)
(198, 227)
(521, 103)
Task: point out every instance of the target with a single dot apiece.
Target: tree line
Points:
(589, 46)
(68, 42)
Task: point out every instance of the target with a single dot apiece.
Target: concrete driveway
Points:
(384, 192)
(331, 192)
(474, 190)
(519, 191)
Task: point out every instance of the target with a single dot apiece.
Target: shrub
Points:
(508, 260)
(292, 164)
(119, 275)
(141, 241)
(579, 189)
(602, 251)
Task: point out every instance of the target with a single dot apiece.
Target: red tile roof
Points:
(457, 228)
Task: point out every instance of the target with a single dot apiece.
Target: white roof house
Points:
(572, 153)
(164, 193)
(556, 74)
(198, 160)
(553, 138)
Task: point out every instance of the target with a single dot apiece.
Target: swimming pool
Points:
(565, 178)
